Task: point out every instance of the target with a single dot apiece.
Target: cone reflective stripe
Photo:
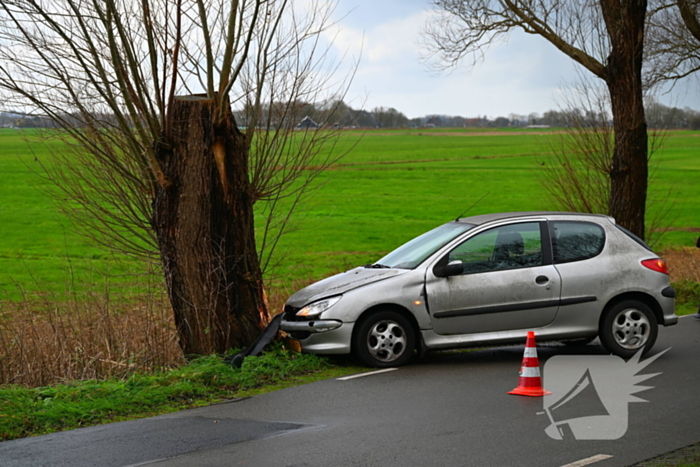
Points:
(529, 372)
(530, 381)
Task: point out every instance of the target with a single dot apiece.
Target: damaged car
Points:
(488, 280)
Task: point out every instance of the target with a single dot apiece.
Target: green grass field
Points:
(39, 248)
(393, 186)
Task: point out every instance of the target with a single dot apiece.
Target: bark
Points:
(623, 76)
(204, 223)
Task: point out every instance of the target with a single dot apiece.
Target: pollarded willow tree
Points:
(143, 91)
(606, 37)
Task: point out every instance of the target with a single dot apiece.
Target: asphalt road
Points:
(446, 410)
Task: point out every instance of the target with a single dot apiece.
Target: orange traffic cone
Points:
(530, 381)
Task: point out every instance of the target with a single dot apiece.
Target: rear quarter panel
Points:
(615, 271)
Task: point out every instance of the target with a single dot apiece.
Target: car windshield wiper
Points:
(377, 266)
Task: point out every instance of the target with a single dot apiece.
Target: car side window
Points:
(508, 247)
(576, 241)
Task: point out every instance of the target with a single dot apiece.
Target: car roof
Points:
(486, 218)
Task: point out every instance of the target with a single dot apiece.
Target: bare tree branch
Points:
(673, 41)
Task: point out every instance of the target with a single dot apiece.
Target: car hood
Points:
(341, 283)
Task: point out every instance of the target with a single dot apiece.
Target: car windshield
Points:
(411, 254)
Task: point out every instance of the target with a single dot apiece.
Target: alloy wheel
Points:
(631, 329)
(386, 340)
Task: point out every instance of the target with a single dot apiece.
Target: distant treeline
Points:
(658, 116)
(338, 114)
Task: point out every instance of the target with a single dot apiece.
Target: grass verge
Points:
(688, 456)
(34, 411)
(687, 297)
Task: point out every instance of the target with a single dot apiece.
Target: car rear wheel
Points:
(628, 327)
(384, 339)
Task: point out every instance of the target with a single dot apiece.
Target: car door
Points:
(588, 278)
(507, 281)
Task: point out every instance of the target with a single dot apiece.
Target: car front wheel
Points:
(628, 327)
(384, 339)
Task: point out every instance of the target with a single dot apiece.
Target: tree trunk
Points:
(204, 222)
(624, 20)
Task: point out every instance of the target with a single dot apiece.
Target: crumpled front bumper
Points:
(313, 326)
(320, 336)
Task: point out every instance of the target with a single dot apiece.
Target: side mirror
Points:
(454, 268)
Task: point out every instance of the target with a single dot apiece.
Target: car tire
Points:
(627, 327)
(384, 339)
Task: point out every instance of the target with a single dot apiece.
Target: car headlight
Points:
(314, 309)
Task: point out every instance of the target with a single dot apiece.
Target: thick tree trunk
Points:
(204, 223)
(624, 20)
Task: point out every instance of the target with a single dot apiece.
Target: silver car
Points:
(487, 280)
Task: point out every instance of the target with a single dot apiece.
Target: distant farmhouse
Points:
(307, 123)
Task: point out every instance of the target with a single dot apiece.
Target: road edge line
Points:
(588, 460)
(370, 373)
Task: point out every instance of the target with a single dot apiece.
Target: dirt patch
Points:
(683, 263)
(486, 133)
(680, 229)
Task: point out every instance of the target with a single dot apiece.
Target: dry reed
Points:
(89, 337)
(51, 338)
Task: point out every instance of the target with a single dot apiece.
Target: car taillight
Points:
(656, 264)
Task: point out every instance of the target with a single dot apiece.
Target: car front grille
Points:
(290, 313)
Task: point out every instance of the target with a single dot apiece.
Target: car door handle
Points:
(541, 280)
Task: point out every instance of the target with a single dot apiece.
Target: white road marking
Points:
(588, 460)
(360, 375)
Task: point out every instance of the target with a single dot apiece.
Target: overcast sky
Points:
(524, 75)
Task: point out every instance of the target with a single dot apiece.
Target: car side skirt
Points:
(436, 341)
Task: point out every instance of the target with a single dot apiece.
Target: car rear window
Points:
(576, 241)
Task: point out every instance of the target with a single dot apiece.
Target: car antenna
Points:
(470, 207)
